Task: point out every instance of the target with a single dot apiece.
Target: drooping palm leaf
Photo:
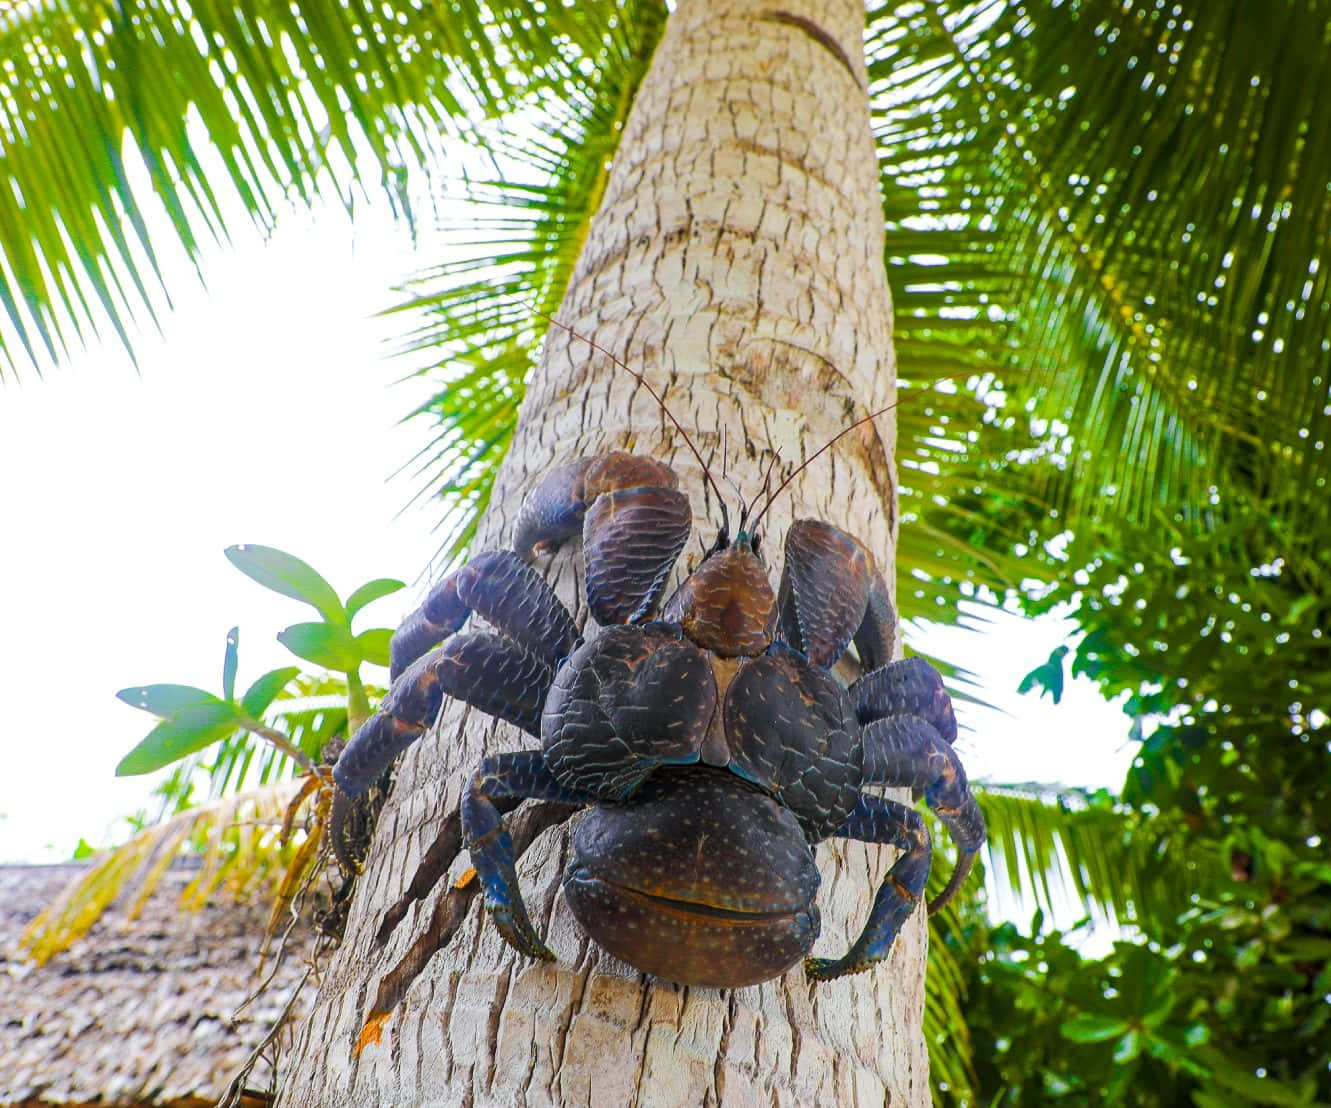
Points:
(477, 317)
(113, 116)
(240, 852)
(1076, 850)
(1129, 207)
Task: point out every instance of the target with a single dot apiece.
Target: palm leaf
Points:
(1131, 213)
(1079, 850)
(477, 318)
(115, 116)
(946, 1033)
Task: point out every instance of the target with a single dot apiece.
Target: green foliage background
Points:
(1112, 216)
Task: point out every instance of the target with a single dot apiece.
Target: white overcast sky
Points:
(266, 413)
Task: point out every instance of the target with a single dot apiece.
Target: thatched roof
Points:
(139, 1011)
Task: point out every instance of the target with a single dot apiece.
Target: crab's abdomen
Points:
(699, 879)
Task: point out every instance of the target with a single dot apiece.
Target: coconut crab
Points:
(708, 737)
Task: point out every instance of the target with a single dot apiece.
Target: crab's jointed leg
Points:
(502, 589)
(500, 784)
(878, 820)
(506, 673)
(908, 732)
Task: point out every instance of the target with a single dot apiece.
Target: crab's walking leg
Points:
(830, 594)
(502, 782)
(505, 591)
(878, 820)
(908, 734)
(634, 522)
(434, 866)
(506, 674)
(451, 908)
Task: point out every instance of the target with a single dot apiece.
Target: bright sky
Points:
(265, 413)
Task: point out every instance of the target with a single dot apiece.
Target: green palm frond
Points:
(115, 116)
(1057, 850)
(477, 318)
(1127, 208)
(946, 1033)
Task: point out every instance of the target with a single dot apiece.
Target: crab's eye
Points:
(754, 540)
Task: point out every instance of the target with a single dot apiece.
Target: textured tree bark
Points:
(737, 262)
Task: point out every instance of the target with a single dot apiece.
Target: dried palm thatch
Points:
(150, 1010)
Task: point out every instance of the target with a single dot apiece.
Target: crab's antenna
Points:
(621, 364)
(839, 435)
(743, 507)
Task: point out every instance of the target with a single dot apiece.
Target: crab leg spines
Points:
(503, 590)
(824, 590)
(878, 820)
(498, 783)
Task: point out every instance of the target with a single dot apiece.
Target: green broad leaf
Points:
(324, 644)
(264, 691)
(1047, 676)
(374, 645)
(1087, 1027)
(371, 591)
(230, 661)
(166, 700)
(286, 574)
(1240, 1076)
(1128, 1048)
(1297, 608)
(187, 731)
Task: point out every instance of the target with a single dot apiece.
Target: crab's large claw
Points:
(634, 522)
(830, 594)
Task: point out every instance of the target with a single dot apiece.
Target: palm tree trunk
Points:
(736, 262)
